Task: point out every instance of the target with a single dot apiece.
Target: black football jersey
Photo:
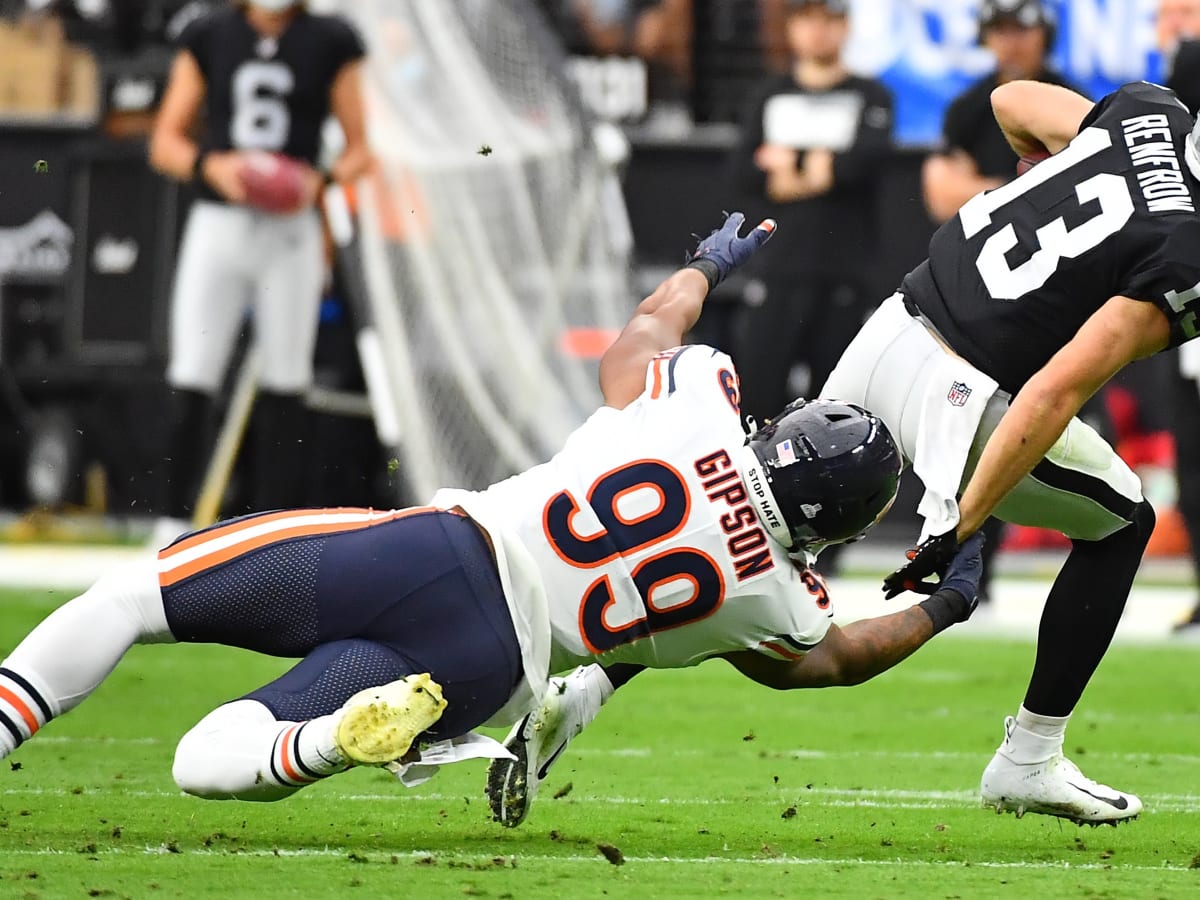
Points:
(269, 94)
(1013, 276)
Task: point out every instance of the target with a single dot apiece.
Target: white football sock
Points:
(58, 664)
(1035, 738)
(241, 751)
(24, 708)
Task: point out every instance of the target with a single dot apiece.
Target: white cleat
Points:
(536, 742)
(1053, 787)
(379, 725)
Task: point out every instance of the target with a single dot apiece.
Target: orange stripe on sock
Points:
(282, 533)
(285, 756)
(19, 705)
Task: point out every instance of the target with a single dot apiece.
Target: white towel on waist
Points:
(954, 400)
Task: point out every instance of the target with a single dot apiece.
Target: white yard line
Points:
(686, 752)
(523, 858)
(815, 797)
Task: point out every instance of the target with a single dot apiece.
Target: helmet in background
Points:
(1029, 13)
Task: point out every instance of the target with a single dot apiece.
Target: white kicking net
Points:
(492, 236)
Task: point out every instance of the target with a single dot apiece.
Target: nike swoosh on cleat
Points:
(1114, 802)
(541, 774)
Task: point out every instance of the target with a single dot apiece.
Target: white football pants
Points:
(1082, 488)
(234, 258)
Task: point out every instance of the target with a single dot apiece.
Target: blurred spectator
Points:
(975, 156)
(1178, 29)
(813, 146)
(658, 32)
(731, 52)
(266, 75)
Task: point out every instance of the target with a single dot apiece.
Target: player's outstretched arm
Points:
(846, 656)
(1116, 334)
(865, 648)
(662, 319)
(1038, 118)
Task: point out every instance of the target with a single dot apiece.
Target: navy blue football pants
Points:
(363, 597)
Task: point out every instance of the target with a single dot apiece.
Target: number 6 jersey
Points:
(268, 93)
(1013, 276)
(639, 538)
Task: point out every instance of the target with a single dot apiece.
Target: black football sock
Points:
(280, 434)
(187, 448)
(1082, 612)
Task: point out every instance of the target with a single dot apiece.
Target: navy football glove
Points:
(965, 570)
(723, 250)
(932, 557)
(958, 593)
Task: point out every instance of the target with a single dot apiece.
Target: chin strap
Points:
(762, 498)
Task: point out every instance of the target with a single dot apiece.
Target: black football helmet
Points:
(821, 472)
(1028, 13)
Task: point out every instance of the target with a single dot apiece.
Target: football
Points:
(273, 182)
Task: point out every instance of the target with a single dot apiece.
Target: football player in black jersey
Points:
(262, 76)
(1033, 296)
(975, 155)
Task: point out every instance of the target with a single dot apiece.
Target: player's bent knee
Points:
(221, 757)
(1133, 537)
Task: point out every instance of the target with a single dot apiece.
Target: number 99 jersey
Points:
(641, 535)
(1013, 276)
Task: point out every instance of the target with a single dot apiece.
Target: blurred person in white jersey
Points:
(251, 79)
(1033, 296)
(662, 534)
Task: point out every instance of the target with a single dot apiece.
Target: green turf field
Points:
(695, 783)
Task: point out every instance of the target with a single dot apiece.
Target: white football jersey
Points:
(642, 535)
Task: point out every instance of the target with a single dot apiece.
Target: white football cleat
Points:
(537, 741)
(1053, 787)
(378, 726)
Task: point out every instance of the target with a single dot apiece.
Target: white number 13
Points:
(1056, 241)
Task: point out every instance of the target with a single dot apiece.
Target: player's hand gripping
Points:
(965, 570)
(933, 557)
(724, 250)
(223, 172)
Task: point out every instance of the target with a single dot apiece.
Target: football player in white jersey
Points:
(659, 536)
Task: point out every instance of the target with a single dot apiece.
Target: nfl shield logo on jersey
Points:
(959, 392)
